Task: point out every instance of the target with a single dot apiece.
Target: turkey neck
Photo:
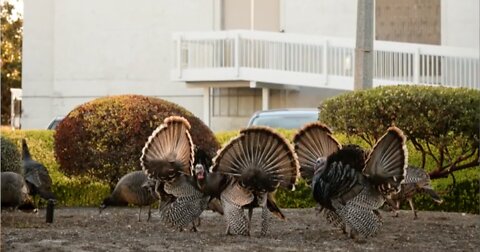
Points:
(25, 150)
(212, 184)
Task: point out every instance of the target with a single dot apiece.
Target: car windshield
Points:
(54, 123)
(285, 121)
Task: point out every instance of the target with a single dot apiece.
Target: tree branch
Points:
(444, 173)
(419, 147)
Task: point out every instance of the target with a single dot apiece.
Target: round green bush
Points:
(10, 156)
(420, 111)
(442, 123)
(104, 138)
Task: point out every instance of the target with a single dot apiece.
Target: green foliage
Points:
(11, 158)
(78, 191)
(104, 138)
(224, 137)
(301, 197)
(11, 50)
(441, 123)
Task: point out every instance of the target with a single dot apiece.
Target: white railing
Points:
(295, 59)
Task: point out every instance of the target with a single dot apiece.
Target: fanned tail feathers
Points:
(260, 159)
(170, 143)
(313, 141)
(387, 163)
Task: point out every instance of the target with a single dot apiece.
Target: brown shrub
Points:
(104, 138)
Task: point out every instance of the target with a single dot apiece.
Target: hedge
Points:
(88, 192)
(442, 123)
(104, 138)
(77, 191)
(11, 157)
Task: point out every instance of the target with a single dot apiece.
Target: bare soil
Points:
(118, 229)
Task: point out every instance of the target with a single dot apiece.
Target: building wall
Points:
(456, 23)
(37, 63)
(460, 23)
(327, 17)
(413, 21)
(76, 51)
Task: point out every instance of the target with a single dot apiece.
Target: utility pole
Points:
(364, 45)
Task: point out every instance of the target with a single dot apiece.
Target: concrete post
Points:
(364, 45)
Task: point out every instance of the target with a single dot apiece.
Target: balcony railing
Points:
(316, 61)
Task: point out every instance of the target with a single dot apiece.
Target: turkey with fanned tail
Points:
(168, 158)
(349, 184)
(256, 162)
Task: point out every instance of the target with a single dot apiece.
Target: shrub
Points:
(11, 158)
(104, 138)
(224, 137)
(441, 123)
(301, 197)
(80, 191)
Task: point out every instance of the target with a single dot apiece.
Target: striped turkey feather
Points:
(387, 163)
(313, 141)
(259, 159)
(170, 145)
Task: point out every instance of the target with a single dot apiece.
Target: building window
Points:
(235, 102)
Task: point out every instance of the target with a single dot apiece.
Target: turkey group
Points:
(348, 183)
(244, 174)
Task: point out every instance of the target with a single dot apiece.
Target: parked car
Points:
(54, 123)
(289, 118)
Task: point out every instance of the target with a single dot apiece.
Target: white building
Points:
(75, 51)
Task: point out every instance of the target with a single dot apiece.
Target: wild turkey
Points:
(256, 163)
(15, 192)
(211, 184)
(36, 175)
(168, 158)
(348, 184)
(130, 189)
(201, 160)
(416, 181)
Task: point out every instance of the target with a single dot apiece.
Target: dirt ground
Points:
(118, 229)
